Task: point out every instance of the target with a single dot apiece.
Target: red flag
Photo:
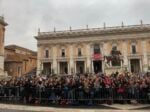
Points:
(97, 56)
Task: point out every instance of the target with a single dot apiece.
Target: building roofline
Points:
(93, 31)
(13, 47)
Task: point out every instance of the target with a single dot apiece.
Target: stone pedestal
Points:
(111, 70)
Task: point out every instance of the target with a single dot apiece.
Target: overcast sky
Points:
(26, 16)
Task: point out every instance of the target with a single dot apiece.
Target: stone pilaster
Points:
(105, 53)
(58, 68)
(125, 55)
(141, 68)
(39, 69)
(88, 63)
(2, 38)
(105, 49)
(69, 68)
(144, 53)
(1, 62)
(75, 68)
(71, 62)
(92, 67)
(54, 65)
(85, 67)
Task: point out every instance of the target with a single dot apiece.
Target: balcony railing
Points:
(137, 54)
(44, 59)
(62, 57)
(79, 56)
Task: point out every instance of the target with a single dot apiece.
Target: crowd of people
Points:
(78, 89)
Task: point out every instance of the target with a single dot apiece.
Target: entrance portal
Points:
(63, 68)
(135, 65)
(47, 68)
(80, 67)
(97, 66)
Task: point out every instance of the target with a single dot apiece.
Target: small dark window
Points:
(114, 48)
(46, 53)
(63, 52)
(133, 49)
(96, 49)
(79, 52)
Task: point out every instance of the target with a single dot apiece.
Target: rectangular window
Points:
(63, 52)
(133, 49)
(79, 52)
(46, 53)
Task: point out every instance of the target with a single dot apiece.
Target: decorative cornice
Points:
(94, 39)
(115, 42)
(94, 32)
(133, 41)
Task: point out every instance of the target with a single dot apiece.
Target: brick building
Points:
(19, 61)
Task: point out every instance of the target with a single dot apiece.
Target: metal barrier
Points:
(42, 95)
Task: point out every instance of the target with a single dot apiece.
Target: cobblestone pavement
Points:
(102, 108)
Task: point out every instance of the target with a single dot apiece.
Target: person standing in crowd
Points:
(85, 89)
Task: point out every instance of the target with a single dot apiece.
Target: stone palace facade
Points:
(2, 39)
(90, 50)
